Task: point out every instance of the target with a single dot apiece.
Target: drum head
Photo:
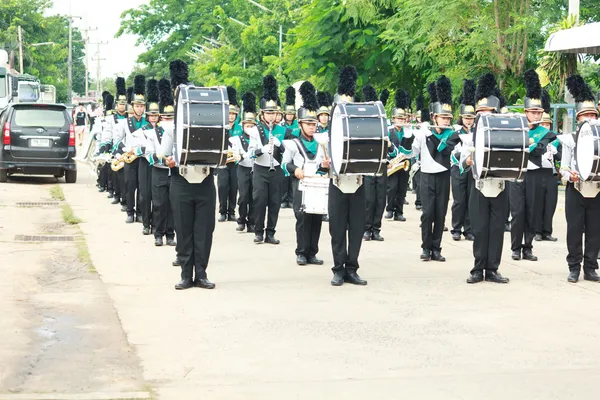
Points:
(179, 120)
(585, 149)
(336, 137)
(479, 143)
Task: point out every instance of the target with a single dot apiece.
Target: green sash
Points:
(536, 134)
(443, 138)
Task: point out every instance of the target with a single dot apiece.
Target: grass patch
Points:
(83, 253)
(57, 193)
(68, 216)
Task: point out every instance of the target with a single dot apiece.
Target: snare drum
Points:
(501, 146)
(315, 195)
(201, 123)
(587, 153)
(357, 139)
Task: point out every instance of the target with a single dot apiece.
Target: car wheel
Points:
(3, 175)
(70, 176)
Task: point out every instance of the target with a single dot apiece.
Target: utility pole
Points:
(98, 59)
(20, 34)
(70, 61)
(574, 8)
(86, 41)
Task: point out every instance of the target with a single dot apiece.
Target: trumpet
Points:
(117, 163)
(129, 157)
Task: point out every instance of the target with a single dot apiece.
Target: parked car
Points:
(37, 139)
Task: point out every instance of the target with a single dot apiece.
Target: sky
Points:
(120, 53)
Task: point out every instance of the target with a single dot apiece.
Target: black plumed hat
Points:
(109, 103)
(346, 89)
(139, 90)
(249, 103)
(402, 100)
(443, 89)
(467, 99)
(308, 111)
(234, 107)
(484, 95)
(533, 89)
(584, 98)
(179, 72)
(369, 93)
(384, 96)
(270, 94)
(165, 97)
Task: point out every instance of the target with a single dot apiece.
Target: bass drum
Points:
(587, 154)
(358, 139)
(501, 146)
(201, 124)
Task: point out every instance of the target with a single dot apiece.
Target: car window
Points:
(40, 117)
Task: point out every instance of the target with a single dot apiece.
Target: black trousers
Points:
(120, 185)
(132, 184)
(375, 188)
(308, 226)
(162, 213)
(397, 185)
(525, 206)
(194, 211)
(435, 194)
(582, 219)
(488, 217)
(245, 203)
(417, 187)
(550, 196)
(145, 191)
(103, 178)
(266, 192)
(347, 216)
(227, 182)
(461, 193)
(287, 189)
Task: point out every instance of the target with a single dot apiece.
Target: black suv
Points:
(37, 139)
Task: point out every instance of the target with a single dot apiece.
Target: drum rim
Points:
(595, 164)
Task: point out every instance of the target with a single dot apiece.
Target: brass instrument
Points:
(398, 163)
(130, 157)
(118, 163)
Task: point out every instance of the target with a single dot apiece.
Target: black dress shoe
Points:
(250, 229)
(495, 277)
(470, 237)
(507, 227)
(271, 240)
(204, 284)
(110, 196)
(314, 260)
(528, 255)
(338, 278)
(123, 208)
(549, 238)
(437, 256)
(115, 201)
(377, 236)
(475, 277)
(146, 231)
(367, 236)
(590, 275)
(353, 278)
(419, 207)
(301, 260)
(284, 205)
(139, 219)
(406, 202)
(537, 237)
(101, 190)
(171, 242)
(445, 228)
(516, 255)
(222, 218)
(129, 219)
(389, 215)
(573, 276)
(177, 262)
(426, 255)
(184, 284)
(158, 241)
(399, 217)
(231, 217)
(456, 236)
(325, 218)
(240, 228)
(258, 239)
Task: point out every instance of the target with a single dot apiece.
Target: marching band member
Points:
(525, 197)
(422, 115)
(240, 144)
(461, 183)
(193, 205)
(290, 122)
(434, 146)
(488, 201)
(582, 202)
(111, 134)
(227, 182)
(162, 213)
(304, 158)
(347, 214)
(402, 140)
(324, 112)
(375, 188)
(550, 185)
(104, 145)
(265, 146)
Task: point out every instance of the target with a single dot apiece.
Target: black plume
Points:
(468, 92)
(420, 102)
(249, 101)
(501, 99)
(309, 96)
(290, 96)
(369, 93)
(546, 101)
(129, 94)
(120, 83)
(232, 95)
(533, 88)
(443, 88)
(323, 99)
(485, 86)
(385, 95)
(403, 99)
(329, 98)
(347, 81)
(270, 88)
(579, 89)
(425, 116)
(109, 102)
(432, 92)
(104, 94)
(152, 91)
(139, 84)
(179, 73)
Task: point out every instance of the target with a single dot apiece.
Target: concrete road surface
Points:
(275, 330)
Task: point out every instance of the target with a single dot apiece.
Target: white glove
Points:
(416, 166)
(237, 157)
(276, 142)
(253, 131)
